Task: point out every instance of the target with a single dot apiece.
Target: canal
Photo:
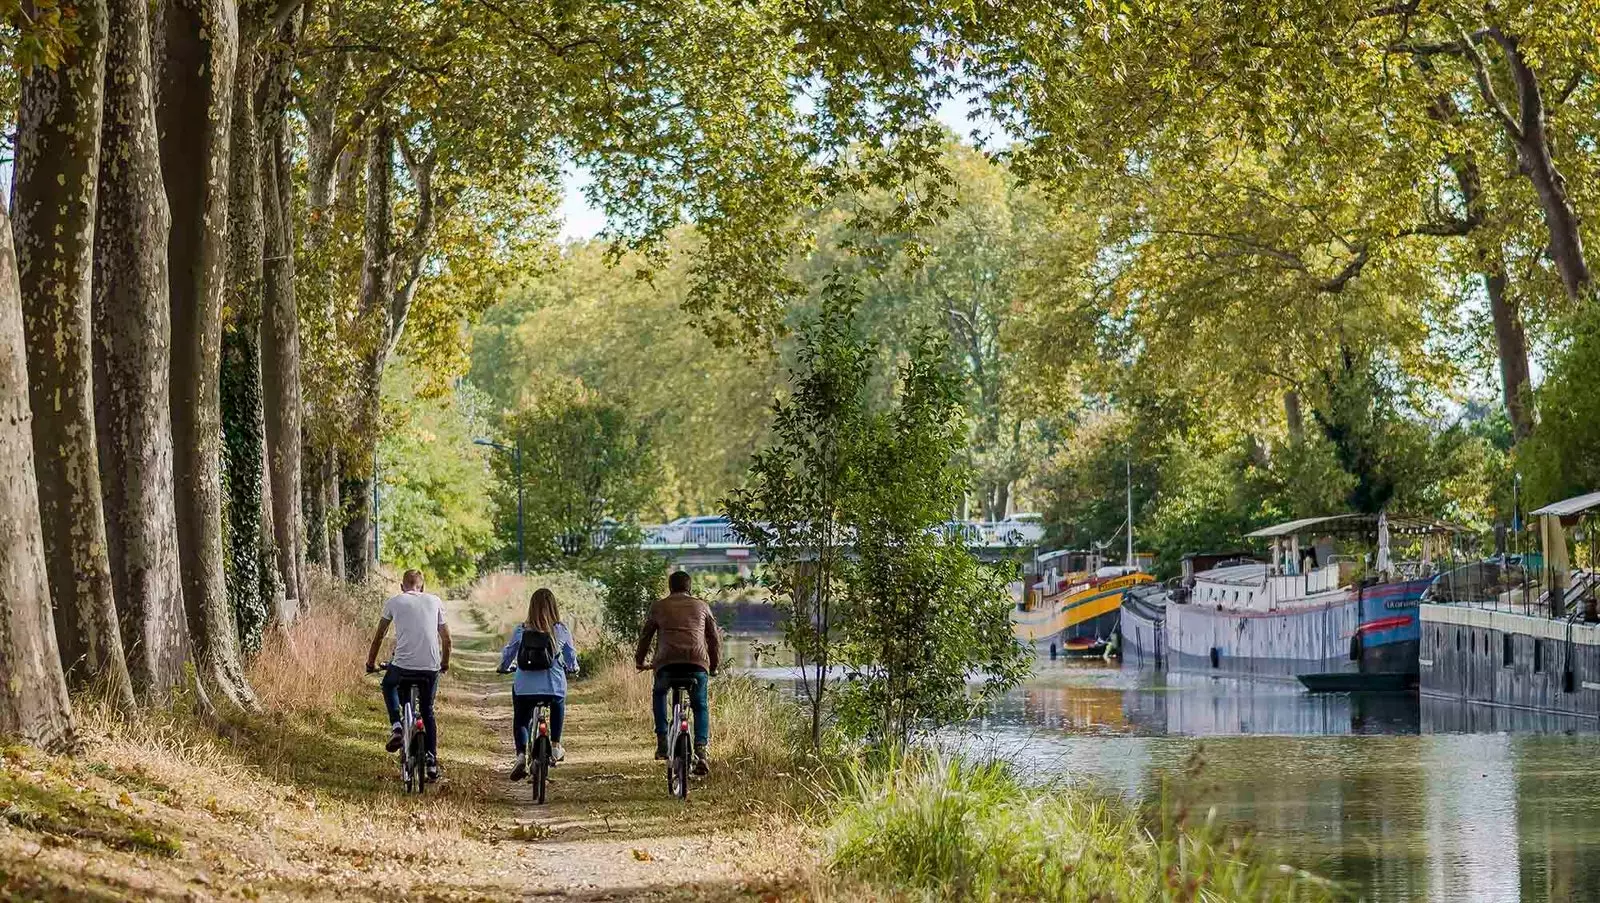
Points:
(1399, 799)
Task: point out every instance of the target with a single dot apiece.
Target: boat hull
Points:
(1391, 627)
(1143, 627)
(1286, 643)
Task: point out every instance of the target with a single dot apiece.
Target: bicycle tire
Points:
(541, 768)
(680, 769)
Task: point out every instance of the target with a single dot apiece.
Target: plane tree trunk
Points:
(57, 166)
(132, 362)
(33, 689)
(199, 40)
(280, 342)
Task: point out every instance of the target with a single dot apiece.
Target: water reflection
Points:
(1399, 798)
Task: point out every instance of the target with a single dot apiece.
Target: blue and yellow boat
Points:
(1072, 602)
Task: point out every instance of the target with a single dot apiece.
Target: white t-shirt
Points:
(417, 618)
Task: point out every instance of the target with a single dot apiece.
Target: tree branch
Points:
(1480, 70)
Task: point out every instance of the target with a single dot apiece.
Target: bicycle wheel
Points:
(678, 769)
(541, 767)
(419, 747)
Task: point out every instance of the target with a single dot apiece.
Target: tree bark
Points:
(280, 364)
(335, 523)
(33, 690)
(1511, 343)
(200, 40)
(1527, 130)
(132, 363)
(377, 294)
(57, 166)
(253, 562)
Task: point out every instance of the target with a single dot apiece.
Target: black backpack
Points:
(537, 652)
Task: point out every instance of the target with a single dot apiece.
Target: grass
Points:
(502, 602)
(931, 827)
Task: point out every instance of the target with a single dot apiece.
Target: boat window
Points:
(1505, 650)
(1538, 655)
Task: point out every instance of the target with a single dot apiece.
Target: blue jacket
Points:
(550, 682)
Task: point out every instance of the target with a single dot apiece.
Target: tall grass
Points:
(310, 665)
(938, 828)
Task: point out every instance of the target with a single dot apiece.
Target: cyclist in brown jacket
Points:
(688, 645)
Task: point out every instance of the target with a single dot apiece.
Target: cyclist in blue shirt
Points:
(542, 654)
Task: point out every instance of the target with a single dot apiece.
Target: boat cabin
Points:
(1317, 560)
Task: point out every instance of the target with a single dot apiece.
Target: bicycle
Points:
(539, 752)
(680, 745)
(413, 739)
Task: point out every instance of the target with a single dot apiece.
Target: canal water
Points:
(1398, 798)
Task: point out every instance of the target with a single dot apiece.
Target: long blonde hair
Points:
(543, 613)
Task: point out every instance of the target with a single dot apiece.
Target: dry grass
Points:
(316, 661)
(502, 600)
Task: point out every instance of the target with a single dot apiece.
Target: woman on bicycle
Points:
(542, 654)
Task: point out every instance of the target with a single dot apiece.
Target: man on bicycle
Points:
(421, 654)
(687, 646)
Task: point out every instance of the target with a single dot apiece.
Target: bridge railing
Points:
(984, 534)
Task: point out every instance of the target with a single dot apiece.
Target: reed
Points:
(935, 827)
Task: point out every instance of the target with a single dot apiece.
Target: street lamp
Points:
(516, 462)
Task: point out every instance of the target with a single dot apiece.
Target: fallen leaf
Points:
(643, 855)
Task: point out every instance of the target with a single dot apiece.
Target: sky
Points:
(582, 220)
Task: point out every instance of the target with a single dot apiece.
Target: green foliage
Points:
(633, 580)
(795, 505)
(844, 507)
(434, 507)
(621, 335)
(1562, 459)
(586, 459)
(947, 829)
(924, 616)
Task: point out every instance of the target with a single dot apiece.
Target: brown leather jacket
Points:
(685, 633)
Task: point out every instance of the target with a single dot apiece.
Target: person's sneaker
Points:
(661, 748)
(701, 767)
(433, 769)
(556, 753)
(519, 770)
(394, 738)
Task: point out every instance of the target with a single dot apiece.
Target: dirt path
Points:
(306, 806)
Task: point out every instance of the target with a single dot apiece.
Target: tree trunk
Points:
(57, 166)
(358, 550)
(1528, 132)
(335, 522)
(132, 363)
(280, 341)
(1292, 414)
(1511, 343)
(253, 562)
(315, 510)
(377, 291)
(199, 40)
(33, 689)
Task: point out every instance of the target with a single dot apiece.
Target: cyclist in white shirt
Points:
(421, 654)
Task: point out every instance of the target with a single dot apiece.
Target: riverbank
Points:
(300, 802)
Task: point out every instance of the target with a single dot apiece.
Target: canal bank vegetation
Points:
(932, 827)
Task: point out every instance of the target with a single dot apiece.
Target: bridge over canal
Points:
(703, 543)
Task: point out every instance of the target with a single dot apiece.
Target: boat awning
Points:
(1357, 523)
(1578, 504)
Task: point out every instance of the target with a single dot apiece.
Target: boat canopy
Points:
(1358, 523)
(1578, 504)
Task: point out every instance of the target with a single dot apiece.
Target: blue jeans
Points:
(397, 679)
(697, 700)
(522, 708)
